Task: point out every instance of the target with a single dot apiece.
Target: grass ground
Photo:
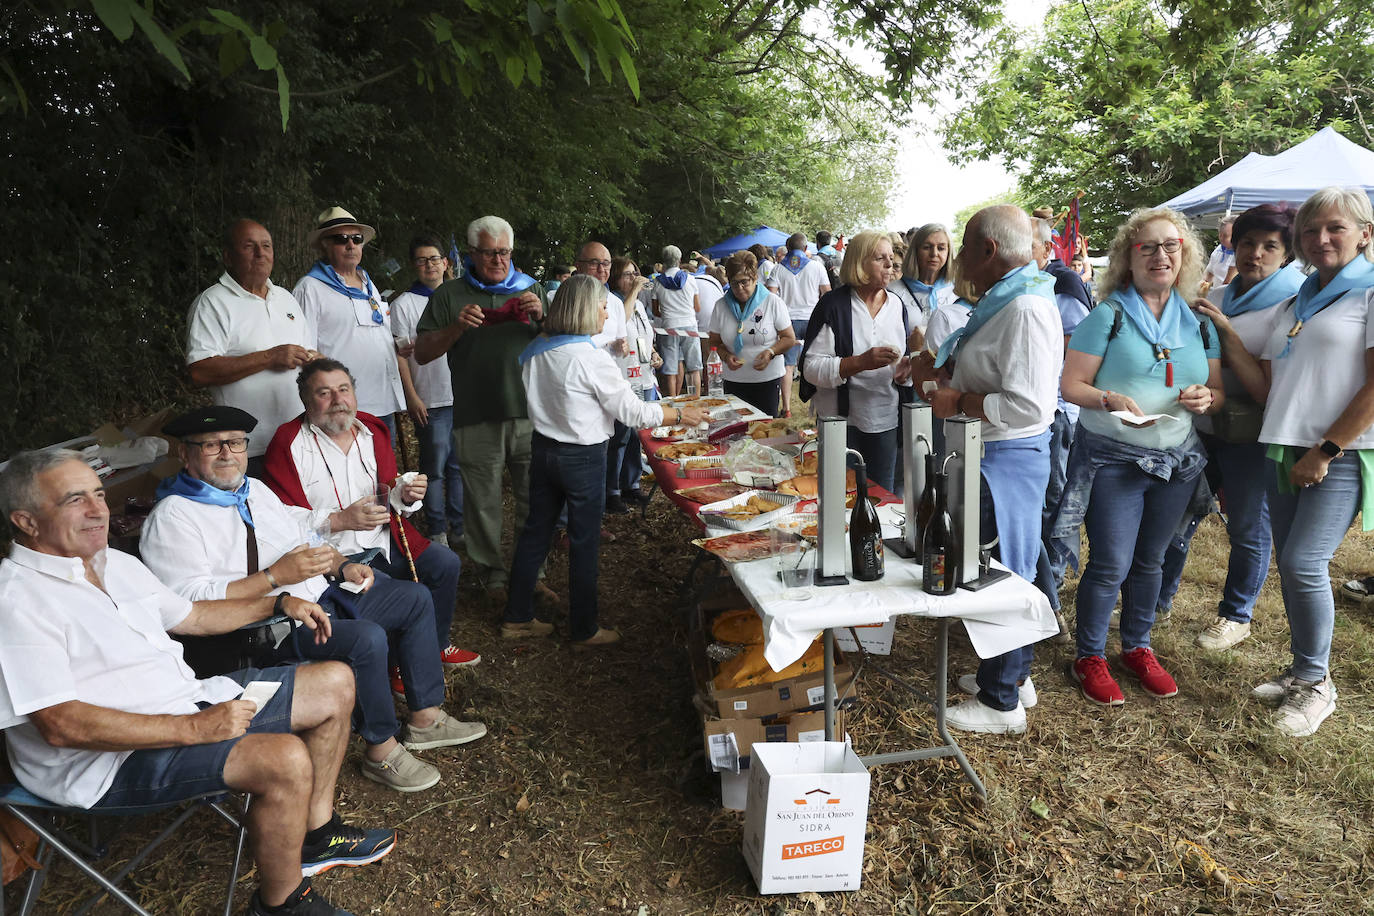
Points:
(590, 796)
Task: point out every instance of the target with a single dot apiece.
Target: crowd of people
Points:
(291, 555)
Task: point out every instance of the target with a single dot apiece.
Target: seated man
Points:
(197, 541)
(115, 718)
(312, 463)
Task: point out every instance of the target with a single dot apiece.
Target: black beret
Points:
(210, 420)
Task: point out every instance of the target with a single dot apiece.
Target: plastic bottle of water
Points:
(715, 375)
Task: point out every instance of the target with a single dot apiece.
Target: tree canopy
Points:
(134, 133)
(1134, 102)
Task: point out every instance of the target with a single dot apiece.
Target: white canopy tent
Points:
(1323, 159)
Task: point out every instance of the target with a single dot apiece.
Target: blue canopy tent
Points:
(766, 236)
(1323, 159)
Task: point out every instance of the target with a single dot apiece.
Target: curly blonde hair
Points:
(1118, 272)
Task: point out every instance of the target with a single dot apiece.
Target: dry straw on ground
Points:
(590, 795)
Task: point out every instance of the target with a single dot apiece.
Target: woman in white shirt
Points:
(624, 464)
(576, 392)
(1318, 412)
(750, 330)
(924, 286)
(853, 354)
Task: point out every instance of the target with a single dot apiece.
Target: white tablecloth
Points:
(1002, 617)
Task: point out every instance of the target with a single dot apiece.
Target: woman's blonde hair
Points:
(1352, 203)
(576, 306)
(911, 266)
(741, 264)
(857, 252)
(1118, 272)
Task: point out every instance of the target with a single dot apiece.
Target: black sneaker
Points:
(616, 506)
(302, 902)
(635, 498)
(345, 845)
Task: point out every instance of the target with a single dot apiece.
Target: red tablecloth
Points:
(665, 472)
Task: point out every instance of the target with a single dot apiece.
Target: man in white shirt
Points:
(245, 335)
(594, 260)
(799, 281)
(675, 303)
(1221, 265)
(1006, 363)
(429, 398)
(197, 539)
(351, 321)
(100, 710)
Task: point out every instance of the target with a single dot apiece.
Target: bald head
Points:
(594, 260)
(248, 255)
(996, 240)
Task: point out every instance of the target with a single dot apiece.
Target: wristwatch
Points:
(1331, 449)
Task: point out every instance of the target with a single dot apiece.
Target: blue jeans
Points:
(438, 568)
(793, 356)
(575, 476)
(1049, 575)
(1308, 526)
(616, 446)
(880, 454)
(439, 462)
(631, 469)
(1243, 476)
(391, 611)
(1131, 518)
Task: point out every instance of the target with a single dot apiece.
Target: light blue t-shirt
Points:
(1126, 369)
(1071, 314)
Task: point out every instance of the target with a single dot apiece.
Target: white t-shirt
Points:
(577, 392)
(675, 306)
(227, 320)
(638, 359)
(198, 549)
(872, 399)
(1321, 374)
(615, 323)
(345, 331)
(1218, 265)
(433, 381)
(64, 639)
(801, 291)
(1015, 359)
(709, 292)
(763, 327)
(948, 318)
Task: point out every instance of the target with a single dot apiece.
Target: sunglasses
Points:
(343, 239)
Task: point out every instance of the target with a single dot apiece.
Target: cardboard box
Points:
(730, 744)
(138, 482)
(805, 817)
(763, 700)
(874, 637)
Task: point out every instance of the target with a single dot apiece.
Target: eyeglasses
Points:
(215, 446)
(343, 239)
(593, 262)
(433, 260)
(493, 254)
(1149, 248)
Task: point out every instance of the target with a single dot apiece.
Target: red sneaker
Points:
(398, 686)
(1153, 678)
(1096, 681)
(454, 657)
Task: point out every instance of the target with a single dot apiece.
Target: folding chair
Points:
(47, 820)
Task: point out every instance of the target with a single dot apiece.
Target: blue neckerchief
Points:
(1175, 328)
(1280, 285)
(1358, 274)
(795, 261)
(543, 344)
(1023, 281)
(201, 492)
(420, 289)
(330, 277)
(701, 269)
(673, 281)
(929, 290)
(515, 281)
(828, 250)
(742, 313)
(552, 285)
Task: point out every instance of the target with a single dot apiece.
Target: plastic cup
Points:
(381, 495)
(317, 535)
(795, 560)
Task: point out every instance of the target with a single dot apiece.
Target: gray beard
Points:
(221, 483)
(333, 424)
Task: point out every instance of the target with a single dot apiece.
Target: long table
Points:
(1006, 615)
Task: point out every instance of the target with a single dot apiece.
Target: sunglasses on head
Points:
(344, 238)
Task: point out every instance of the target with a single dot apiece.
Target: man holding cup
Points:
(216, 533)
(338, 462)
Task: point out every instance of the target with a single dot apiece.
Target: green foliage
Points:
(1134, 102)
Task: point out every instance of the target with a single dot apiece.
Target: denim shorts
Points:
(165, 775)
(679, 349)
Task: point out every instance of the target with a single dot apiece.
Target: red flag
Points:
(1066, 242)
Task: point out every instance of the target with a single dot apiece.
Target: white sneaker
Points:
(968, 683)
(1275, 690)
(1222, 633)
(1306, 707)
(973, 716)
